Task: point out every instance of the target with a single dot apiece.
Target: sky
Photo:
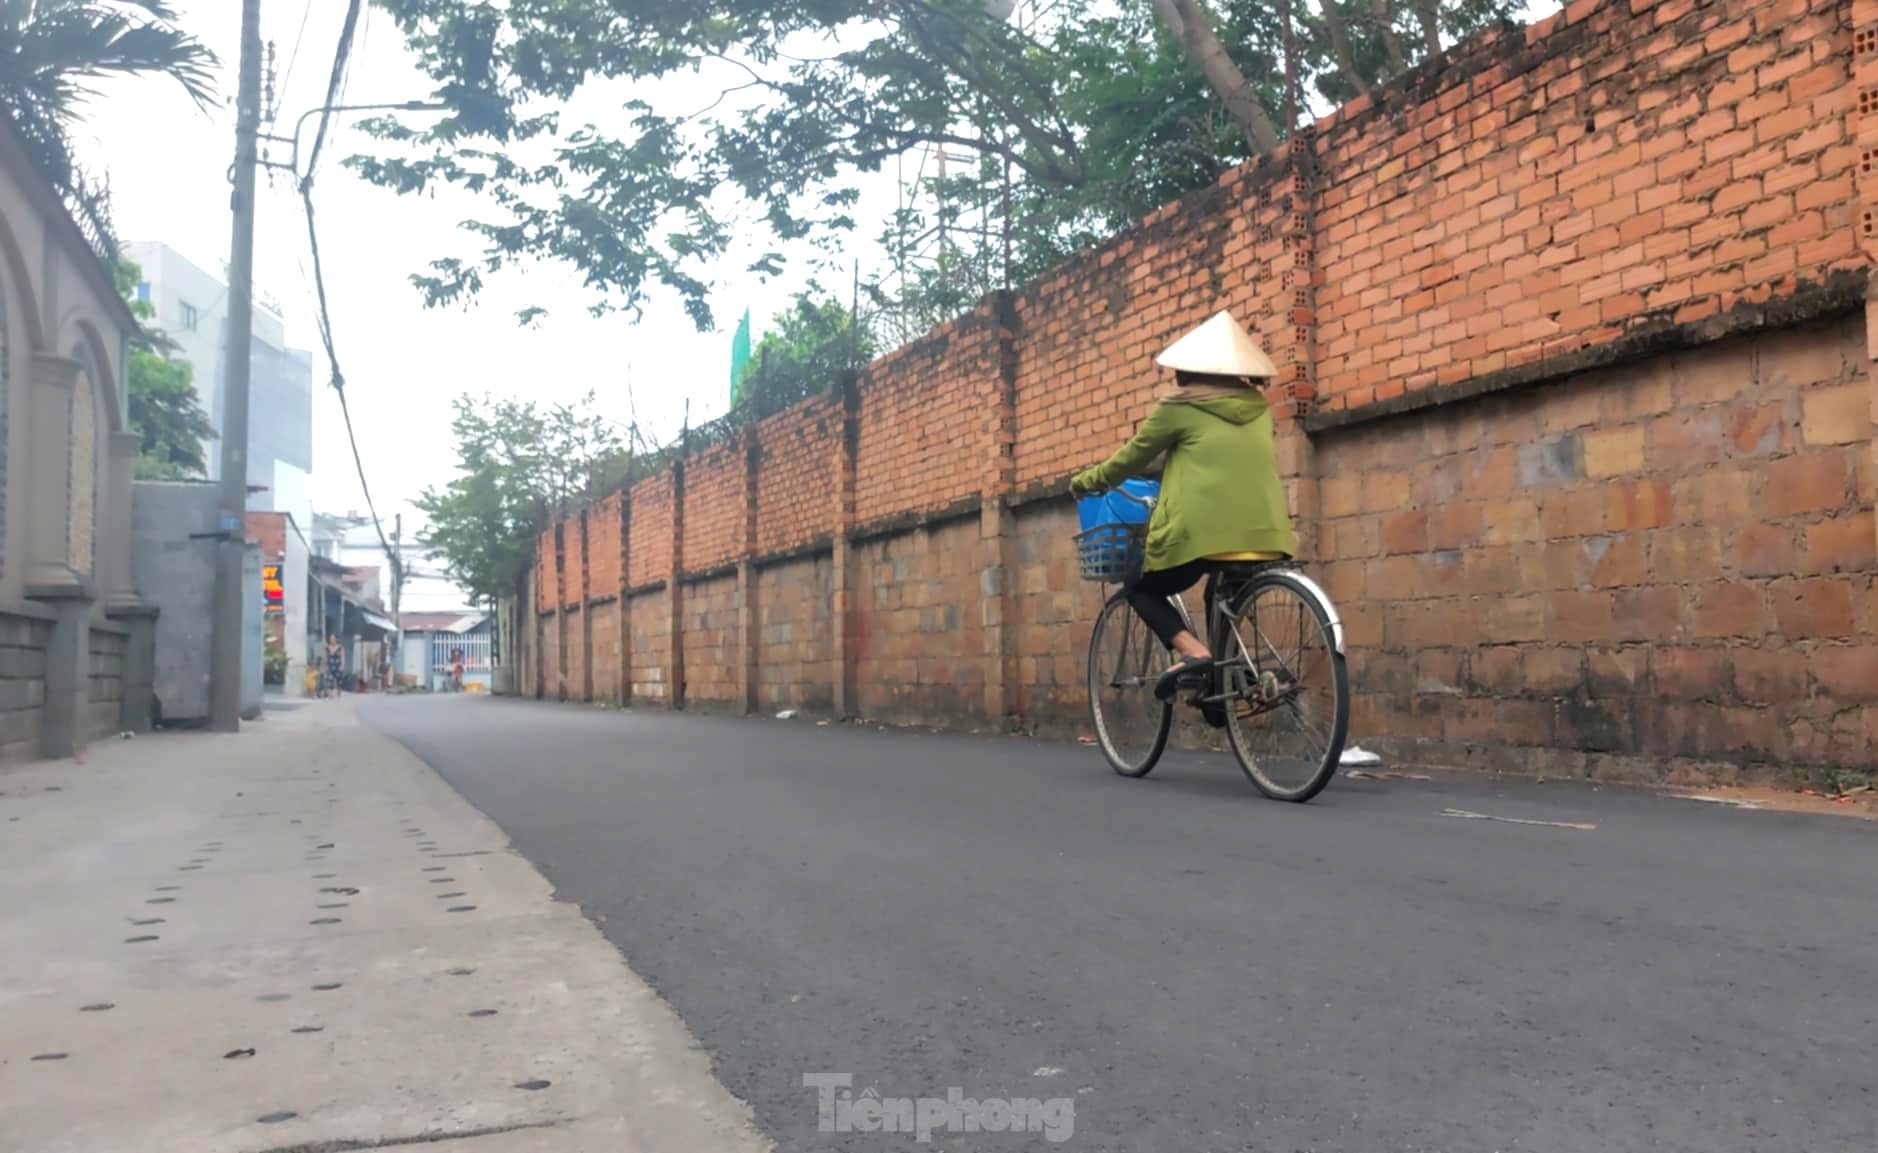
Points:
(168, 160)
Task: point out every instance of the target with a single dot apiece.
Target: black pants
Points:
(1148, 596)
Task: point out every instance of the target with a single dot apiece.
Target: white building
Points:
(352, 541)
(192, 308)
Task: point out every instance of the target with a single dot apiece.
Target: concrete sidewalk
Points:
(301, 938)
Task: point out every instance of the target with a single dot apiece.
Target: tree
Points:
(164, 407)
(517, 465)
(1073, 120)
(811, 345)
(53, 52)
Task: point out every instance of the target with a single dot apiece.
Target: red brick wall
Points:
(269, 530)
(796, 474)
(796, 664)
(651, 529)
(573, 559)
(1568, 322)
(709, 610)
(919, 643)
(651, 637)
(714, 507)
(922, 421)
(603, 549)
(1635, 164)
(1673, 561)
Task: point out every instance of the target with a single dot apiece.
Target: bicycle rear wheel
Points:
(1288, 710)
(1125, 659)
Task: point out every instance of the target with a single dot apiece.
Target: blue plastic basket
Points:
(1111, 553)
(1114, 531)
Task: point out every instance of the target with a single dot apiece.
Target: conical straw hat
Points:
(1219, 347)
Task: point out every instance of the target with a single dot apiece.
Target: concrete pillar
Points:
(586, 613)
(53, 382)
(625, 588)
(749, 611)
(674, 591)
(842, 612)
(134, 714)
(68, 667)
(996, 535)
(114, 539)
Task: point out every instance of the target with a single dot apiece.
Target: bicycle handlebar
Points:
(1144, 502)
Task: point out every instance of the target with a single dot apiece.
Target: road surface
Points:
(1195, 968)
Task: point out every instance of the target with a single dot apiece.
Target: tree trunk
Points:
(1429, 14)
(1192, 26)
(1340, 47)
(1385, 23)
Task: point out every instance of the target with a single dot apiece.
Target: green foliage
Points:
(1085, 120)
(274, 664)
(164, 406)
(517, 466)
(805, 353)
(54, 52)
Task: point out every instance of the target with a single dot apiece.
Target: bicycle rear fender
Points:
(1323, 602)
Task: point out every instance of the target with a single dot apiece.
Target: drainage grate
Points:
(461, 908)
(140, 940)
(169, 889)
(50, 1056)
(334, 905)
(533, 1086)
(99, 1007)
(482, 1012)
(324, 876)
(328, 987)
(443, 880)
(308, 1029)
(324, 921)
(160, 901)
(275, 1118)
(273, 997)
(461, 972)
(140, 922)
(433, 868)
(234, 1053)
(450, 896)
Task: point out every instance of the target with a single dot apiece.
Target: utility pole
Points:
(231, 549)
(397, 595)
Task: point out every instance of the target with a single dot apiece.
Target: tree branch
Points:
(1428, 12)
(1192, 27)
(1340, 47)
(1385, 22)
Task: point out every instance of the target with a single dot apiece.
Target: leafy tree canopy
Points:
(164, 406)
(1084, 119)
(517, 464)
(52, 55)
(805, 353)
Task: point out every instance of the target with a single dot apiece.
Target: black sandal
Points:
(1170, 681)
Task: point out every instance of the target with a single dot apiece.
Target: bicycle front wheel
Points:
(1288, 706)
(1125, 660)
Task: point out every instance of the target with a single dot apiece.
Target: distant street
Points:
(1199, 969)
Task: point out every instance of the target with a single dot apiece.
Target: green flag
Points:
(739, 357)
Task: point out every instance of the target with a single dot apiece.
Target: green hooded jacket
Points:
(1219, 490)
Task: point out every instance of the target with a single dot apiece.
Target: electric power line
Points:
(322, 314)
(295, 54)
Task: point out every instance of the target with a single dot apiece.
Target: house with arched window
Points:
(74, 635)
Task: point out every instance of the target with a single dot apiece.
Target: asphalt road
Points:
(1196, 968)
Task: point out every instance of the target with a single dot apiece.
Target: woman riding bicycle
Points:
(1221, 500)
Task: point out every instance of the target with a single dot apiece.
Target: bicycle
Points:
(1279, 685)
